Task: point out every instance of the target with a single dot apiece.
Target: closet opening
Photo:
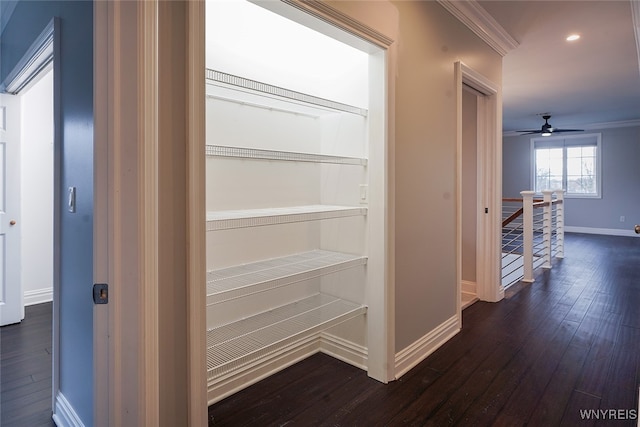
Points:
(295, 194)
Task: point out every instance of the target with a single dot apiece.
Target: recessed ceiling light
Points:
(573, 37)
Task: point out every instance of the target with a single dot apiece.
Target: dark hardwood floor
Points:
(568, 342)
(25, 370)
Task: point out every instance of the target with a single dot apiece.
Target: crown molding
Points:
(635, 17)
(592, 126)
(324, 12)
(478, 20)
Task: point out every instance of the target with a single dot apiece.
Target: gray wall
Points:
(620, 180)
(75, 248)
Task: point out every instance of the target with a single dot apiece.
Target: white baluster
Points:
(560, 223)
(527, 234)
(546, 226)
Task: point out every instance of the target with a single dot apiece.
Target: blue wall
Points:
(620, 179)
(28, 20)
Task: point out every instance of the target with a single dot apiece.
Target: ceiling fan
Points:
(547, 129)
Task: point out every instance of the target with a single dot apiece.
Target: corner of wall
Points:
(415, 353)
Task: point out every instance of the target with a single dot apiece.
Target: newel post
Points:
(527, 235)
(547, 211)
(560, 223)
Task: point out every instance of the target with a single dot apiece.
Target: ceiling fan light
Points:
(546, 133)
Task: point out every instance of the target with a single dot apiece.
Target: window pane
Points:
(581, 184)
(588, 166)
(574, 166)
(548, 168)
(574, 152)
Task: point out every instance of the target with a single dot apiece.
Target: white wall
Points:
(37, 191)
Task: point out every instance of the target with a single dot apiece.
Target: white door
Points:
(11, 305)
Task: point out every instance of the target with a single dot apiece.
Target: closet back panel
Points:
(226, 248)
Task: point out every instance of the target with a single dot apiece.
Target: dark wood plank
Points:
(25, 369)
(554, 399)
(623, 372)
(578, 404)
(593, 378)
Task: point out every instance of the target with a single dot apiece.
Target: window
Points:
(571, 163)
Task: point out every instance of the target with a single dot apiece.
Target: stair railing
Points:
(532, 234)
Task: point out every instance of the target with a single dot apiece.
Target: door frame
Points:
(489, 143)
(145, 100)
(44, 51)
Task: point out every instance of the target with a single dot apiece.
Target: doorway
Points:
(27, 156)
(36, 189)
(488, 186)
(295, 185)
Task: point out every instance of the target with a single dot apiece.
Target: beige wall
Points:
(469, 184)
(428, 41)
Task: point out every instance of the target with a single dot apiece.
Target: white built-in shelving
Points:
(253, 153)
(270, 91)
(238, 281)
(261, 309)
(242, 218)
(230, 347)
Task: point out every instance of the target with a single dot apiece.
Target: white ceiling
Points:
(590, 82)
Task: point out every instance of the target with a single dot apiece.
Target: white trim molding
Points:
(635, 16)
(334, 17)
(478, 20)
(195, 187)
(38, 296)
(415, 353)
(36, 59)
(347, 351)
(469, 287)
(64, 415)
(603, 231)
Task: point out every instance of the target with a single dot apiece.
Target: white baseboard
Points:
(603, 231)
(347, 351)
(469, 287)
(63, 413)
(38, 296)
(244, 376)
(422, 348)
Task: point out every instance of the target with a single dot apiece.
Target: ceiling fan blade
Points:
(530, 131)
(567, 130)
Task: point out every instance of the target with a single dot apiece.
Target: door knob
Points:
(12, 222)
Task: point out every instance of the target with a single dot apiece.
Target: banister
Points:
(537, 239)
(511, 217)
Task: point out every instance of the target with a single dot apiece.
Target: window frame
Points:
(560, 142)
